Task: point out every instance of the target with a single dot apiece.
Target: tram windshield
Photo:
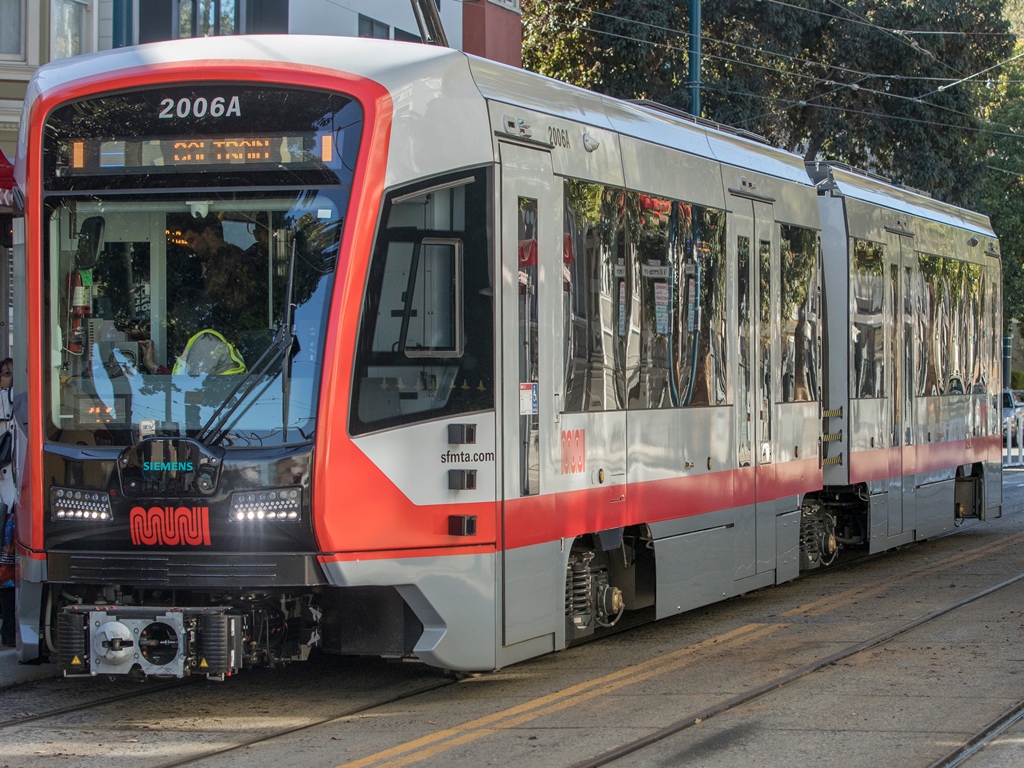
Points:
(158, 306)
(178, 226)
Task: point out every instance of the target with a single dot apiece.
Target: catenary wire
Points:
(816, 80)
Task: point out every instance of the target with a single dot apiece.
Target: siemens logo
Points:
(163, 466)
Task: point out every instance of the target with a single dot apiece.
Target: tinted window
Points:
(426, 346)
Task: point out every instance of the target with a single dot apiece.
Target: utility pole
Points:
(695, 57)
(429, 21)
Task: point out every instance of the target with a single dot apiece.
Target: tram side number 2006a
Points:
(558, 137)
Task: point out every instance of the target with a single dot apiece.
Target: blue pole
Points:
(695, 57)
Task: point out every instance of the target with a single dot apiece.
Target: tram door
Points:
(902, 470)
(531, 580)
(752, 225)
(764, 268)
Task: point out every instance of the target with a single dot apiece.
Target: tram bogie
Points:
(409, 354)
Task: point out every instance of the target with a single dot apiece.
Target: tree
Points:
(1002, 194)
(599, 44)
(839, 80)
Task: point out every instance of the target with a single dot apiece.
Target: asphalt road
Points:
(905, 701)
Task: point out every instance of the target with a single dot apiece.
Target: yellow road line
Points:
(568, 697)
(441, 741)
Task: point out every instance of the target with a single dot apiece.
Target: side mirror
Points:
(90, 242)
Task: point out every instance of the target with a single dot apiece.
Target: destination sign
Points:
(131, 156)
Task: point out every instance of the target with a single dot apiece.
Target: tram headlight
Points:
(266, 505)
(78, 504)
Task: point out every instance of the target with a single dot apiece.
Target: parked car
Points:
(1013, 407)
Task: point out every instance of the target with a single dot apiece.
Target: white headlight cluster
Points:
(76, 504)
(274, 504)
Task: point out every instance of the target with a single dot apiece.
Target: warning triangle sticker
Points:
(203, 664)
(76, 662)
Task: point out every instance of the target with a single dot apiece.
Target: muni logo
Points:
(574, 451)
(162, 466)
(170, 525)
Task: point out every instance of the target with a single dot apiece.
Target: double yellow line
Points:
(449, 738)
(428, 746)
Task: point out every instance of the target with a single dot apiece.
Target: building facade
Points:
(34, 32)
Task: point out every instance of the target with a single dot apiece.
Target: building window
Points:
(372, 28)
(12, 32)
(71, 26)
(208, 18)
(169, 19)
(407, 37)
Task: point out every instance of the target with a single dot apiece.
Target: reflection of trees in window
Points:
(984, 350)
(764, 336)
(974, 334)
(120, 279)
(939, 279)
(743, 398)
(799, 321)
(655, 252)
(677, 354)
(895, 320)
(867, 290)
(652, 325)
(592, 273)
(708, 254)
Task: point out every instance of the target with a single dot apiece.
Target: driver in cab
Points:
(228, 285)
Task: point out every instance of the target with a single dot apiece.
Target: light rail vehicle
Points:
(379, 348)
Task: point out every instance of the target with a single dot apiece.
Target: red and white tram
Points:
(384, 349)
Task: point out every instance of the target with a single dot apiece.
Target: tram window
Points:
(764, 345)
(933, 325)
(528, 346)
(799, 315)
(743, 393)
(150, 329)
(426, 346)
(702, 351)
(655, 255)
(593, 274)
(975, 333)
(678, 272)
(867, 297)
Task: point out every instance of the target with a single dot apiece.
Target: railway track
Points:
(432, 746)
(151, 689)
(1006, 720)
(985, 736)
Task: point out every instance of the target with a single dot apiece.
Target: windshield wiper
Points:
(215, 428)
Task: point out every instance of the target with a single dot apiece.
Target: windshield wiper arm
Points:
(214, 429)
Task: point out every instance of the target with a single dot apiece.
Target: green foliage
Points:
(1016, 379)
(597, 44)
(825, 80)
(850, 80)
(1002, 193)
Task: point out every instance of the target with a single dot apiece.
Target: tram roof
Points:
(643, 121)
(401, 66)
(859, 185)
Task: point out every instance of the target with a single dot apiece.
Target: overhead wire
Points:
(857, 18)
(803, 76)
(827, 66)
(868, 113)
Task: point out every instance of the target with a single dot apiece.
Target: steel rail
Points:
(781, 682)
(96, 703)
(979, 740)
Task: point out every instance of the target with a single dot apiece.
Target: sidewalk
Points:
(13, 673)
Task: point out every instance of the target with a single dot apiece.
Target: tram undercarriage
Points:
(172, 633)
